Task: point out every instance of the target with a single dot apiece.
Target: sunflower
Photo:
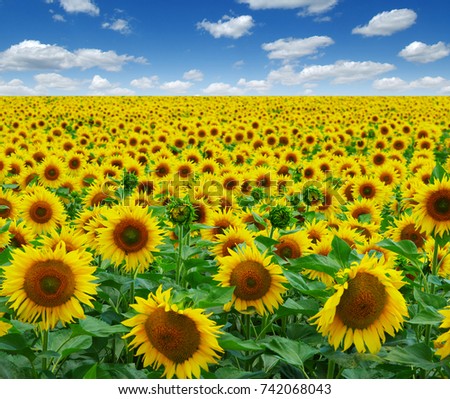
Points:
(8, 204)
(230, 239)
(443, 341)
(130, 234)
(406, 229)
(219, 221)
(258, 282)
(4, 326)
(72, 239)
(48, 286)
(20, 234)
(184, 341)
(365, 211)
(443, 257)
(292, 245)
(370, 188)
(432, 212)
(51, 171)
(41, 210)
(366, 305)
(99, 193)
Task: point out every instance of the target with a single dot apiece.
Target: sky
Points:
(224, 47)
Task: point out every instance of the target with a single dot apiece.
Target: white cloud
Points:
(222, 89)
(176, 86)
(80, 6)
(34, 55)
(398, 84)
(99, 83)
(118, 25)
(55, 81)
(145, 83)
(193, 74)
(341, 72)
(291, 48)
(311, 6)
(103, 87)
(239, 64)
(228, 26)
(254, 85)
(58, 18)
(15, 87)
(423, 53)
(387, 23)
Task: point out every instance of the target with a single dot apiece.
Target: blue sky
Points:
(224, 47)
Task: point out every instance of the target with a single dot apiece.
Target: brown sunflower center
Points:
(438, 205)
(130, 235)
(410, 232)
(362, 302)
(51, 173)
(251, 279)
(230, 244)
(41, 212)
(288, 249)
(5, 212)
(174, 335)
(367, 191)
(98, 199)
(49, 283)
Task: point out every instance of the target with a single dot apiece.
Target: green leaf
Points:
(438, 173)
(266, 241)
(5, 256)
(13, 342)
(5, 227)
(308, 307)
(340, 251)
(426, 316)
(435, 301)
(259, 219)
(292, 352)
(418, 355)
(76, 344)
(91, 373)
(216, 296)
(406, 248)
(230, 342)
(96, 328)
(320, 263)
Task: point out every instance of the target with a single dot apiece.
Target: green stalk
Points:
(44, 338)
(179, 269)
(331, 369)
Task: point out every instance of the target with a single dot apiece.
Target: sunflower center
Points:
(438, 205)
(41, 212)
(230, 244)
(367, 191)
(130, 235)
(5, 212)
(51, 173)
(174, 335)
(410, 232)
(251, 279)
(362, 302)
(49, 283)
(288, 249)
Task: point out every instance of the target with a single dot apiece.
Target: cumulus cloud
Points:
(176, 86)
(222, 89)
(118, 25)
(34, 55)
(228, 27)
(55, 81)
(15, 87)
(340, 72)
(254, 85)
(310, 6)
(193, 74)
(80, 6)
(103, 87)
(398, 84)
(387, 23)
(145, 82)
(291, 48)
(423, 53)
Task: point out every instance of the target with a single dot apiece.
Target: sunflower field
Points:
(224, 237)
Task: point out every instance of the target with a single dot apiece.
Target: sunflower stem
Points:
(331, 369)
(44, 337)
(179, 271)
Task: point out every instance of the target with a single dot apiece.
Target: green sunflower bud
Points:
(180, 211)
(312, 195)
(280, 216)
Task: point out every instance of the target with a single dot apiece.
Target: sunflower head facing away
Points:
(184, 341)
(47, 286)
(365, 306)
(258, 282)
